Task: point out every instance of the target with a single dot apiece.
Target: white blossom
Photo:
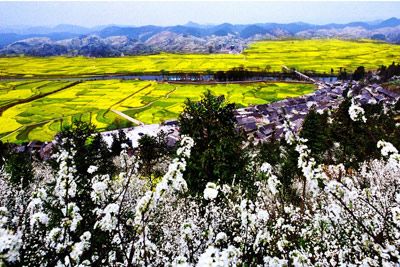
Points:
(92, 169)
(39, 217)
(211, 191)
(356, 112)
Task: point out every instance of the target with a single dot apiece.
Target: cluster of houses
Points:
(263, 122)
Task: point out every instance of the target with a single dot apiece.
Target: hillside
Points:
(191, 37)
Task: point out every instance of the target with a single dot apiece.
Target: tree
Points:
(118, 141)
(218, 154)
(19, 166)
(346, 141)
(82, 161)
(359, 73)
(3, 153)
(89, 146)
(342, 74)
(151, 151)
(316, 130)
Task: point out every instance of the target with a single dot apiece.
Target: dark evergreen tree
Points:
(151, 151)
(119, 139)
(218, 154)
(317, 132)
(87, 148)
(19, 166)
(359, 73)
(3, 153)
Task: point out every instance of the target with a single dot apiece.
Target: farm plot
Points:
(14, 92)
(42, 118)
(319, 56)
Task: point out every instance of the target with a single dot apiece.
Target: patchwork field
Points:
(147, 101)
(316, 55)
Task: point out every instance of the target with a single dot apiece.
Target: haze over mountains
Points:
(114, 40)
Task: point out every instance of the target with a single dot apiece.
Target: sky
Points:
(164, 13)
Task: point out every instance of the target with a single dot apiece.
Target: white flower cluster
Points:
(215, 257)
(313, 174)
(353, 219)
(10, 241)
(211, 191)
(389, 151)
(172, 180)
(273, 182)
(356, 112)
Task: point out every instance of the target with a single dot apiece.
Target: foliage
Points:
(337, 138)
(3, 153)
(152, 151)
(218, 153)
(19, 167)
(90, 148)
(388, 72)
(316, 129)
(359, 73)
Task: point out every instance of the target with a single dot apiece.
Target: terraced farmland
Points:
(315, 55)
(147, 101)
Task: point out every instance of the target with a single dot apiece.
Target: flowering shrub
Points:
(342, 216)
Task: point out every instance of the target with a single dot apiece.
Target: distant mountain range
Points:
(192, 37)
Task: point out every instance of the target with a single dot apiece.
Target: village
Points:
(266, 121)
(260, 122)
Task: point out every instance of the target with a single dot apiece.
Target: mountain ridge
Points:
(114, 40)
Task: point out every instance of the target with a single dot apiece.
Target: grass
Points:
(314, 55)
(147, 101)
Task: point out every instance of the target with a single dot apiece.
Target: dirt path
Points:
(127, 117)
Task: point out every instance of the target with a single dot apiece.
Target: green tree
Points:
(151, 151)
(359, 73)
(89, 146)
(283, 158)
(3, 153)
(218, 154)
(19, 166)
(317, 132)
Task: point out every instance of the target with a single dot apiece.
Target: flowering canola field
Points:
(147, 101)
(319, 56)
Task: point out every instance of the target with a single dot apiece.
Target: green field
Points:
(147, 101)
(316, 55)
